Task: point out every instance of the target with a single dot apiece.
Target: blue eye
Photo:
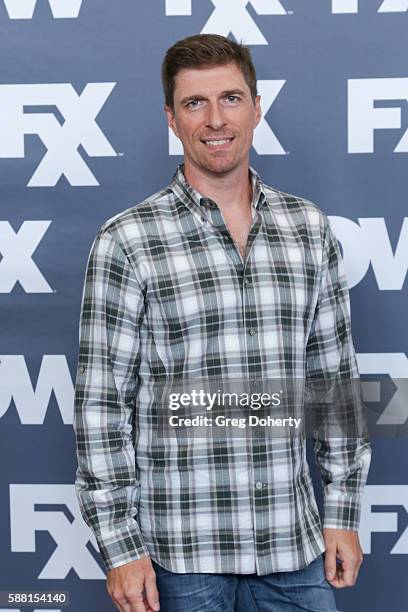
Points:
(232, 98)
(193, 103)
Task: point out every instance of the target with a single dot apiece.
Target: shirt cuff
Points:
(121, 546)
(341, 511)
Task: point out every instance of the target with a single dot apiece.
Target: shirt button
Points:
(258, 485)
(247, 282)
(252, 332)
(81, 369)
(203, 219)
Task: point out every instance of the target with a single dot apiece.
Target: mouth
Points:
(217, 143)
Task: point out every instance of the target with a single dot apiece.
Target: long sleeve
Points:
(106, 486)
(343, 460)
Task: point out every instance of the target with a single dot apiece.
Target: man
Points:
(217, 276)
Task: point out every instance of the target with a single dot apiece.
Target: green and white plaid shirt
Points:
(167, 295)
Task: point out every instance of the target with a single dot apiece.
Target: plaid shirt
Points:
(167, 295)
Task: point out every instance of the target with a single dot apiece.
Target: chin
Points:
(220, 168)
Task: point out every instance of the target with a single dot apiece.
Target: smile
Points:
(218, 143)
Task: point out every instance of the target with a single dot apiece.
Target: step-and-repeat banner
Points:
(83, 136)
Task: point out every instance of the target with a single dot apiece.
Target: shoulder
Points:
(128, 228)
(296, 210)
(288, 203)
(150, 207)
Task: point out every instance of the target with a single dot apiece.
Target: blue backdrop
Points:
(83, 136)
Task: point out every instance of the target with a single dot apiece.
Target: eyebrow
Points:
(228, 92)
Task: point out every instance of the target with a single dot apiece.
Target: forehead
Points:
(208, 81)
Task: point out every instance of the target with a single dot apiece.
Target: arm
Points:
(106, 485)
(343, 461)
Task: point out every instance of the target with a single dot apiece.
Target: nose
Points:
(215, 118)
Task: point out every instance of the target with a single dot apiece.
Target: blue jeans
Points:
(306, 589)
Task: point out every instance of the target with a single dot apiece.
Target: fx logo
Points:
(60, 9)
(225, 20)
(62, 141)
(368, 242)
(364, 117)
(65, 526)
(386, 6)
(17, 250)
(265, 141)
(394, 365)
(382, 522)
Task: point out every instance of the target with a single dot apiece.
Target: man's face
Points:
(214, 116)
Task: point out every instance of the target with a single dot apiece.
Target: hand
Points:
(132, 586)
(345, 546)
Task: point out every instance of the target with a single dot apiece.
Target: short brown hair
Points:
(200, 51)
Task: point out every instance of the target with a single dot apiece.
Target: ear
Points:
(258, 111)
(171, 120)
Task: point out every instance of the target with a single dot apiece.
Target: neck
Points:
(231, 191)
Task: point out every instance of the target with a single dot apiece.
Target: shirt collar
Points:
(191, 197)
